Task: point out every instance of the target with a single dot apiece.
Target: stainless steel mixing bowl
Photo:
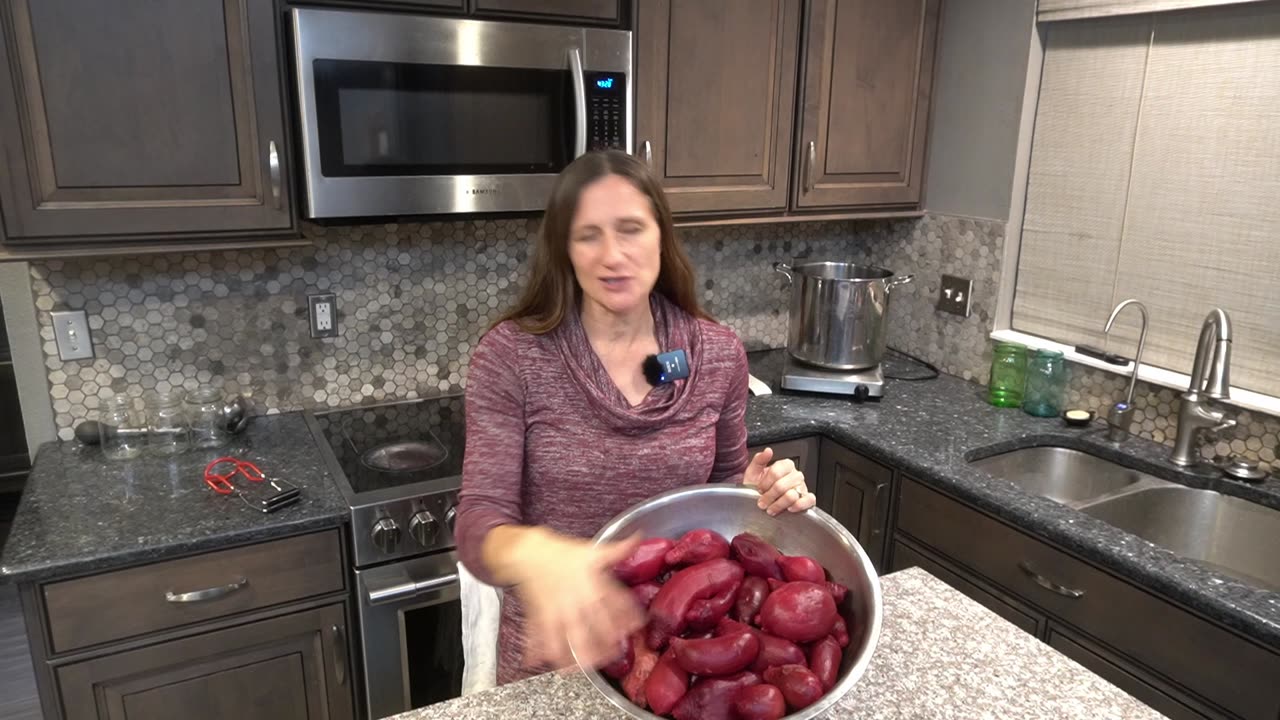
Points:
(731, 509)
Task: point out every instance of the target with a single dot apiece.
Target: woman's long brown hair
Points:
(553, 291)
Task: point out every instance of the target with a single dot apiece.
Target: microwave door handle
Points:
(579, 102)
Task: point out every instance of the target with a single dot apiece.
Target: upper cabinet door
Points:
(602, 11)
(132, 119)
(865, 102)
(715, 97)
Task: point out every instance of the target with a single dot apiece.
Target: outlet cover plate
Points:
(71, 332)
(323, 315)
(955, 295)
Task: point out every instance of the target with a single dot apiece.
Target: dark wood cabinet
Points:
(136, 120)
(864, 107)
(598, 11)
(715, 98)
(292, 666)
(859, 491)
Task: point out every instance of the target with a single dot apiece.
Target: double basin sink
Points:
(1233, 536)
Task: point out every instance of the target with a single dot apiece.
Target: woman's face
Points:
(615, 245)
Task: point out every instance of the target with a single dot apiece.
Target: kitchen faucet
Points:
(1210, 380)
(1120, 415)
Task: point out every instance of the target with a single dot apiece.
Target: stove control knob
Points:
(861, 392)
(386, 535)
(451, 518)
(423, 526)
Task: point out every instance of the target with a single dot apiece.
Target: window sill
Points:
(1246, 399)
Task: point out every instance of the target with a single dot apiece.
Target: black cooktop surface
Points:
(385, 446)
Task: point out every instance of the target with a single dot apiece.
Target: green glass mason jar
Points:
(1008, 375)
(1046, 384)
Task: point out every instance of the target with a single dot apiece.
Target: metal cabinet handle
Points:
(811, 159)
(647, 154)
(579, 101)
(212, 593)
(1048, 584)
(273, 165)
(339, 655)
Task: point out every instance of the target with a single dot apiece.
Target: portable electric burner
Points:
(867, 384)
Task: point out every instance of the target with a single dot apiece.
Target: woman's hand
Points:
(570, 595)
(781, 485)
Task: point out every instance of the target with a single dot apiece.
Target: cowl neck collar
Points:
(674, 329)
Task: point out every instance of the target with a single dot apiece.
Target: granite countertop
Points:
(82, 513)
(931, 429)
(940, 655)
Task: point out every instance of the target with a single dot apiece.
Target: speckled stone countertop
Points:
(940, 655)
(931, 429)
(81, 513)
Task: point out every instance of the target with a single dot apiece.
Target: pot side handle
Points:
(894, 282)
(783, 268)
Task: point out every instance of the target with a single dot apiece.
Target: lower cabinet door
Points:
(285, 668)
(859, 492)
(1128, 676)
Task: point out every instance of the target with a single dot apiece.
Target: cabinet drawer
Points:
(115, 605)
(1157, 634)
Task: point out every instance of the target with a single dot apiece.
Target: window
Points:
(1155, 173)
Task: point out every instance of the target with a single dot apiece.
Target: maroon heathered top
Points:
(552, 441)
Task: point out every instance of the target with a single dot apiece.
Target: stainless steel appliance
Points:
(410, 115)
(399, 466)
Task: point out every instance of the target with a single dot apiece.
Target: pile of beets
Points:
(736, 631)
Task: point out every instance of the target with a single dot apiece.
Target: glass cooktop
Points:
(385, 446)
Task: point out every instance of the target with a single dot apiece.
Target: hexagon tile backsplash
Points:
(413, 298)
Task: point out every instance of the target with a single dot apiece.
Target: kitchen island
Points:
(941, 655)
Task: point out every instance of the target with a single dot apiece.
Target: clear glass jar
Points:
(168, 432)
(1046, 384)
(122, 430)
(1008, 375)
(207, 418)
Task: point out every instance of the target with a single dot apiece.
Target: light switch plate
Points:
(323, 315)
(955, 295)
(71, 332)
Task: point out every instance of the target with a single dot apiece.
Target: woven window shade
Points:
(1155, 174)
(1050, 10)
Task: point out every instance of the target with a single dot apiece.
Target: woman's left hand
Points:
(780, 484)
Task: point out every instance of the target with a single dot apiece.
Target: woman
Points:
(564, 431)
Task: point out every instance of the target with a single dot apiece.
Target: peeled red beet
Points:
(712, 698)
(799, 686)
(719, 655)
(705, 613)
(775, 651)
(759, 702)
(824, 661)
(751, 595)
(621, 665)
(666, 685)
(757, 557)
(775, 583)
(840, 632)
(697, 546)
(633, 683)
(799, 611)
(838, 591)
(645, 592)
(645, 563)
(798, 568)
(668, 610)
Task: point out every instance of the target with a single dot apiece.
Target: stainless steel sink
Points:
(1062, 474)
(1231, 535)
(1234, 536)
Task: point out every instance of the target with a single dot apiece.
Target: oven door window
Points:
(380, 118)
(433, 652)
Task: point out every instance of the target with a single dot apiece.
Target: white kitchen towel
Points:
(481, 610)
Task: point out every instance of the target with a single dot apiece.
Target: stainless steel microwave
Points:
(414, 115)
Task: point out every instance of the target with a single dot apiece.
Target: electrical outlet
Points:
(71, 332)
(324, 315)
(955, 295)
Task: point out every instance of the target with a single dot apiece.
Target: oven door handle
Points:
(395, 592)
(579, 102)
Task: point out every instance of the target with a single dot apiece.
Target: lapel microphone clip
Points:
(666, 367)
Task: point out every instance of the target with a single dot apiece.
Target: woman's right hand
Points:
(570, 595)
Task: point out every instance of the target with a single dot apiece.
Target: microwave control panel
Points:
(606, 110)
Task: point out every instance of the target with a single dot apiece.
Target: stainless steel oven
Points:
(407, 114)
